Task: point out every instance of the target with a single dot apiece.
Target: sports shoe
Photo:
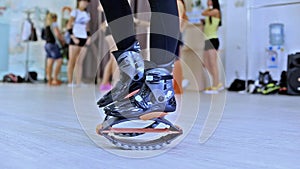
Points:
(105, 87)
(214, 89)
(185, 83)
(131, 66)
(71, 85)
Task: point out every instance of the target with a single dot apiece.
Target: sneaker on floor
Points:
(211, 90)
(185, 83)
(220, 87)
(105, 87)
(214, 89)
(71, 85)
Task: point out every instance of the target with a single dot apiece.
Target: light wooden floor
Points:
(39, 128)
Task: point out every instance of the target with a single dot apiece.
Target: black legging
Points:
(164, 28)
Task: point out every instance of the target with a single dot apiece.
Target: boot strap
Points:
(139, 102)
(157, 78)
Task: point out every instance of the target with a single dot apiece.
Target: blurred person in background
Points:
(54, 41)
(78, 27)
(212, 22)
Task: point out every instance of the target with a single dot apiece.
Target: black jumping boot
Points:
(131, 65)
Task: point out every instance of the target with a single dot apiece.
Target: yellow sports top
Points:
(211, 29)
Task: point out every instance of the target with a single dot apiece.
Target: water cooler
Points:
(274, 53)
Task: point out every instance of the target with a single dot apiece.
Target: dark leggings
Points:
(164, 28)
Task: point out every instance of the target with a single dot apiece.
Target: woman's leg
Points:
(108, 71)
(163, 39)
(50, 62)
(105, 83)
(73, 54)
(79, 64)
(113, 63)
(178, 77)
(115, 71)
(213, 64)
(57, 70)
(206, 60)
(164, 32)
(177, 73)
(120, 20)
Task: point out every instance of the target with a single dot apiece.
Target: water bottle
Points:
(276, 31)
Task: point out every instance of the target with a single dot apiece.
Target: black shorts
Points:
(82, 42)
(212, 44)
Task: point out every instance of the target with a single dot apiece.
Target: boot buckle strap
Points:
(157, 78)
(140, 102)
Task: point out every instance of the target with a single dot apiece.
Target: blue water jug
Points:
(276, 34)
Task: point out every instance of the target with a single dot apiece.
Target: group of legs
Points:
(145, 88)
(53, 61)
(75, 58)
(150, 82)
(211, 64)
(110, 73)
(210, 58)
(53, 79)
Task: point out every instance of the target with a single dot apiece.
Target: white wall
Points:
(256, 3)
(235, 38)
(236, 31)
(4, 28)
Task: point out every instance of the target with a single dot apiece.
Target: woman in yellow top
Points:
(212, 23)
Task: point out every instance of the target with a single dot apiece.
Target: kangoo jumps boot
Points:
(131, 66)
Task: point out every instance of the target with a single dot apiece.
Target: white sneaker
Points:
(211, 91)
(220, 87)
(71, 85)
(185, 83)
